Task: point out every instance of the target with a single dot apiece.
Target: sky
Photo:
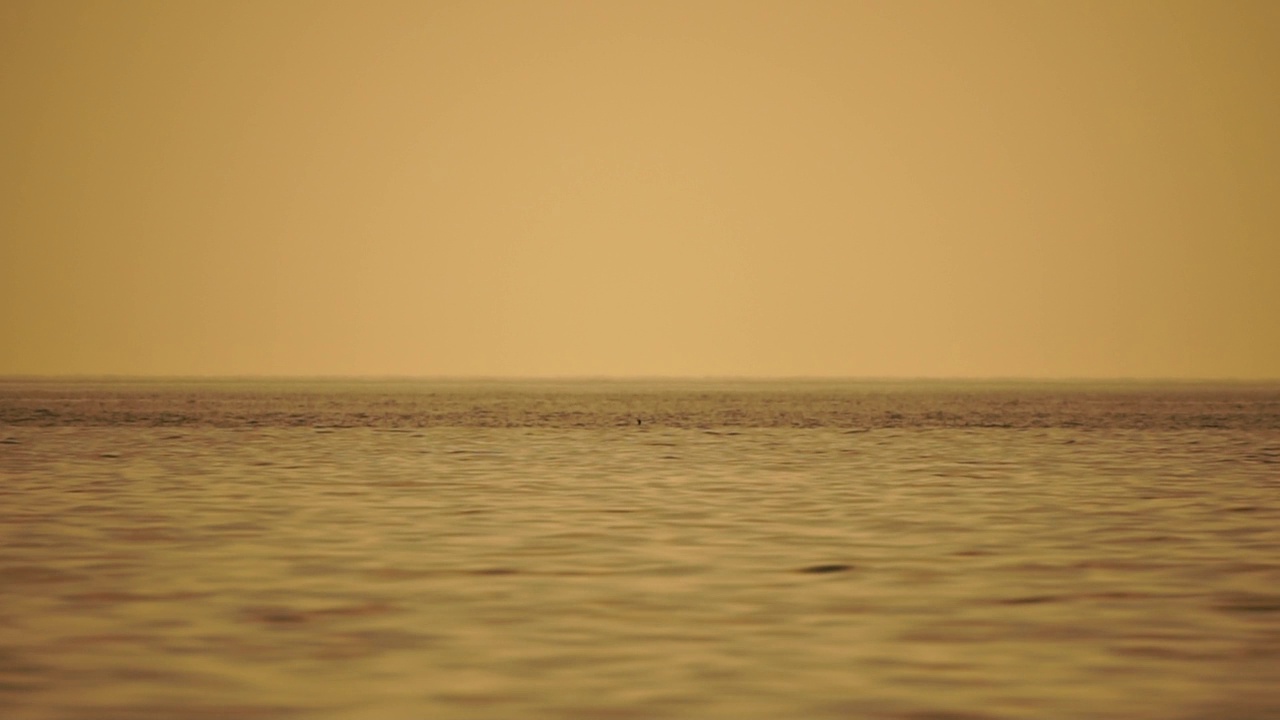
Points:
(1033, 189)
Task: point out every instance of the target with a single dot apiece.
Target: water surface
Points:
(639, 550)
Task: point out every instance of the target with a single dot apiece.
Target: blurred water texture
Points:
(595, 549)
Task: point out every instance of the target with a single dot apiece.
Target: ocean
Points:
(639, 549)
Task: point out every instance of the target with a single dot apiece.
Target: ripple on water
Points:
(935, 552)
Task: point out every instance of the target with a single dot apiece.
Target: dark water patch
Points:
(826, 568)
(276, 616)
(1031, 600)
(9, 685)
(465, 453)
(15, 575)
(1186, 653)
(283, 615)
(14, 665)
(1249, 603)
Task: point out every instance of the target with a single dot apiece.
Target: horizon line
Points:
(393, 377)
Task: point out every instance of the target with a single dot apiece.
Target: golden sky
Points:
(894, 188)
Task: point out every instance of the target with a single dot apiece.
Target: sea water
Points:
(379, 549)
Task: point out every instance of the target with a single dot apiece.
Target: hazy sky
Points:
(895, 188)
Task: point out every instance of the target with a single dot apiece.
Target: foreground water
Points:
(639, 550)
